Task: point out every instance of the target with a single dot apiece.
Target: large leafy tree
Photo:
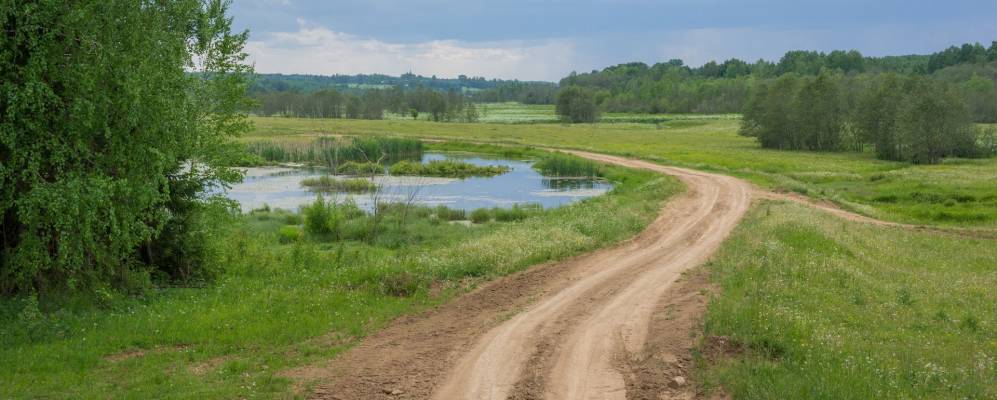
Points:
(115, 119)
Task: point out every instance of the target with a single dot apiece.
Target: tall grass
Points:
(333, 152)
(563, 165)
(446, 169)
(329, 184)
(822, 308)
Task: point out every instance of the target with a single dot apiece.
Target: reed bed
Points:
(328, 184)
(446, 169)
(333, 152)
(562, 165)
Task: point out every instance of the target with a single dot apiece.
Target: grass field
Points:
(287, 299)
(816, 307)
(518, 113)
(958, 192)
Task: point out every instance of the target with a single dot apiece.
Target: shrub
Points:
(576, 104)
(449, 214)
(480, 216)
(289, 234)
(317, 216)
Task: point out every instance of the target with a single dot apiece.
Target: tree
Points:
(576, 104)
(933, 123)
(115, 118)
(818, 115)
(876, 116)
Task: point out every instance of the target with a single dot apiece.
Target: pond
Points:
(280, 187)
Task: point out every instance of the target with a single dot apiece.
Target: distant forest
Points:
(673, 87)
(969, 70)
(370, 96)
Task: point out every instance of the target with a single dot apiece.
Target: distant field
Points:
(518, 113)
(958, 192)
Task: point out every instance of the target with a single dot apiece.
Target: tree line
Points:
(673, 87)
(449, 106)
(903, 118)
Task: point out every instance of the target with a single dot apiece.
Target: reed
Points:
(446, 169)
(557, 164)
(333, 152)
(328, 184)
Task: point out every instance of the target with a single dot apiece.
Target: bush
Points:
(289, 234)
(576, 104)
(317, 217)
(445, 213)
(481, 216)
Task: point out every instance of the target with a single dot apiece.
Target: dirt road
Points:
(577, 341)
(577, 329)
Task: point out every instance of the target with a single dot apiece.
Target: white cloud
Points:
(315, 49)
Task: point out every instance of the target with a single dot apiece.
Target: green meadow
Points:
(816, 307)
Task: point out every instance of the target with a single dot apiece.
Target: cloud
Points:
(316, 49)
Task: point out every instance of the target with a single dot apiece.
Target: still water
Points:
(280, 187)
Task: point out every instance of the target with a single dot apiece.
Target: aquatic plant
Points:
(360, 168)
(327, 183)
(333, 152)
(556, 164)
(446, 169)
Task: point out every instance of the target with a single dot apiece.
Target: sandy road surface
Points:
(588, 330)
(573, 329)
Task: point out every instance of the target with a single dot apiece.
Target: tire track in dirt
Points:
(575, 339)
(571, 322)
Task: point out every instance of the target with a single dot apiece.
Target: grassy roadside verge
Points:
(957, 192)
(816, 307)
(280, 305)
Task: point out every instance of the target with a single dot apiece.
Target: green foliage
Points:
(445, 169)
(564, 165)
(289, 234)
(905, 119)
(726, 87)
(360, 169)
(108, 142)
(480, 216)
(330, 184)
(576, 104)
(372, 103)
(445, 213)
(821, 308)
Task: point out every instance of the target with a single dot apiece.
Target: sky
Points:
(547, 40)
